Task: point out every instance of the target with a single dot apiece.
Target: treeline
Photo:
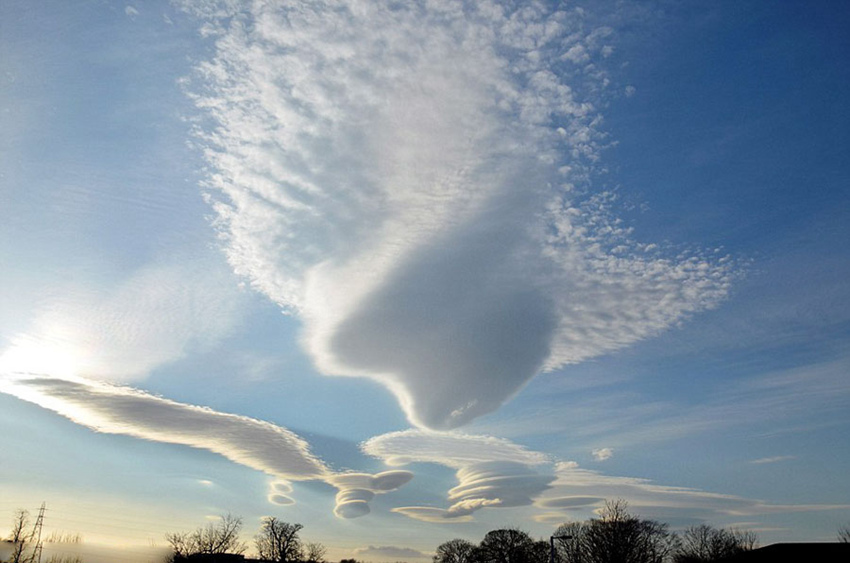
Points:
(615, 537)
(276, 542)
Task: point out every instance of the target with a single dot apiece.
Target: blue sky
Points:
(409, 274)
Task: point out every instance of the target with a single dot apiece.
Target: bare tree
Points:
(314, 552)
(278, 541)
(181, 545)
(568, 542)
(616, 537)
(21, 538)
(507, 545)
(217, 537)
(539, 552)
(844, 533)
(747, 539)
(704, 543)
(454, 551)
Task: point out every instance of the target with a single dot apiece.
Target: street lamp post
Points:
(552, 546)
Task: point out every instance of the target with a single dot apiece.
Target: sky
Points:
(403, 272)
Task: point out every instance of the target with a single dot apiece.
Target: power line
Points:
(36, 531)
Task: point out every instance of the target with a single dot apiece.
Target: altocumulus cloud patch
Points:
(404, 180)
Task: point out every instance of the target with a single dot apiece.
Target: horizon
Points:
(408, 273)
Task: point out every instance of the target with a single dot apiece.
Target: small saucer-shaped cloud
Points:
(491, 472)
(352, 509)
(353, 503)
(282, 486)
(390, 480)
(357, 489)
(496, 483)
(379, 482)
(281, 500)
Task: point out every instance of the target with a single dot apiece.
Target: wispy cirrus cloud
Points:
(774, 459)
(679, 506)
(773, 402)
(404, 179)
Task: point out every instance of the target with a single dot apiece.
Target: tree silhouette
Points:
(616, 537)
(703, 543)
(844, 533)
(454, 551)
(314, 553)
(20, 538)
(507, 545)
(568, 538)
(213, 539)
(278, 541)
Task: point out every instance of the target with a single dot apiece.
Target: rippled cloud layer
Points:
(411, 181)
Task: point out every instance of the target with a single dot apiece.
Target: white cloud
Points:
(116, 409)
(149, 319)
(411, 211)
(666, 503)
(281, 500)
(774, 459)
(491, 472)
(495, 484)
(357, 489)
(495, 473)
(452, 449)
(577, 54)
(783, 401)
(260, 445)
(602, 454)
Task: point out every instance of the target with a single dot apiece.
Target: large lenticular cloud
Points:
(401, 177)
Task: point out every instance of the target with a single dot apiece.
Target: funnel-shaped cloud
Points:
(357, 489)
(403, 178)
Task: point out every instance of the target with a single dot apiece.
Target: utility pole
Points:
(36, 531)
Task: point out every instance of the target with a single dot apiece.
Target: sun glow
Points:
(34, 355)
